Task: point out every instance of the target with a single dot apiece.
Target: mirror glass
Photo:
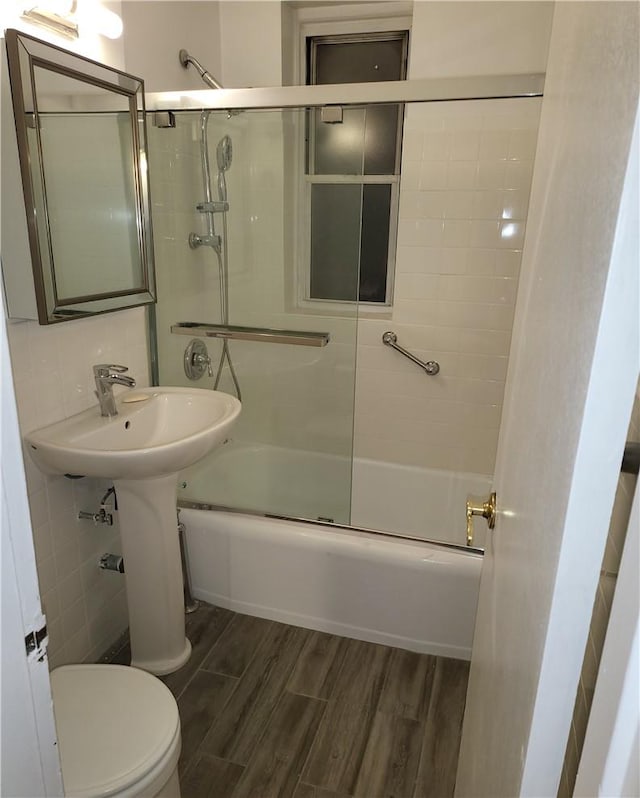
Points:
(82, 147)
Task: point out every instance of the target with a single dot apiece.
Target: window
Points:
(352, 171)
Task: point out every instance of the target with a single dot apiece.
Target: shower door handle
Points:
(486, 508)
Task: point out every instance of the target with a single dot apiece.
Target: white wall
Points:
(479, 38)
(155, 32)
(51, 365)
(237, 42)
(250, 43)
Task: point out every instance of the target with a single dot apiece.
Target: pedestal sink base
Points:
(151, 551)
(164, 666)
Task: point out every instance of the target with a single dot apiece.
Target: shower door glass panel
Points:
(423, 443)
(291, 451)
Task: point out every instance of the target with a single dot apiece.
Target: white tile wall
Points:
(464, 191)
(600, 616)
(85, 607)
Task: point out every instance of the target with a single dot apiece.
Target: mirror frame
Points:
(25, 53)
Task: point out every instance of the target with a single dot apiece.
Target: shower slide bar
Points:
(430, 367)
(263, 334)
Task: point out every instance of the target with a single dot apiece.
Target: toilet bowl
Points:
(118, 732)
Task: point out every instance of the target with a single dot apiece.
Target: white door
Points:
(572, 376)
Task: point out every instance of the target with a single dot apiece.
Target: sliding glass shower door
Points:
(323, 243)
(294, 359)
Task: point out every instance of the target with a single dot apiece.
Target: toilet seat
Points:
(118, 730)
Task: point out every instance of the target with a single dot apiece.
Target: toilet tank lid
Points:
(114, 723)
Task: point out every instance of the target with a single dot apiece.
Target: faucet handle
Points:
(104, 369)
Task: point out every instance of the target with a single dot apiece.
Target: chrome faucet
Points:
(106, 377)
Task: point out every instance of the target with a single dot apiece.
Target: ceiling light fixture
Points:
(65, 18)
(55, 16)
(106, 23)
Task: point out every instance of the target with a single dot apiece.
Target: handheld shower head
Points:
(224, 156)
(224, 153)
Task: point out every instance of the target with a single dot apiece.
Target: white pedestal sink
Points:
(157, 433)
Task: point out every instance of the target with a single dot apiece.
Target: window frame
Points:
(306, 162)
(336, 19)
(305, 299)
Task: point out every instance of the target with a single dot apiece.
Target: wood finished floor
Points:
(271, 710)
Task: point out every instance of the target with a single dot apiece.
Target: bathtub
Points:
(409, 594)
(423, 503)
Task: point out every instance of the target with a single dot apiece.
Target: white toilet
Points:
(118, 732)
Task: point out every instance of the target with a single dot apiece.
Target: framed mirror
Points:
(81, 139)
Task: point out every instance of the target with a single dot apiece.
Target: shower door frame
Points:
(493, 87)
(428, 90)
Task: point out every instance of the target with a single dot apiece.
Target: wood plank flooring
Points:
(269, 709)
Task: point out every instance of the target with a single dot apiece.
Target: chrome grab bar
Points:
(431, 367)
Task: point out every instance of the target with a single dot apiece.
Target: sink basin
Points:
(157, 431)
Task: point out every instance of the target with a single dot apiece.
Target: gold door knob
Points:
(487, 509)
